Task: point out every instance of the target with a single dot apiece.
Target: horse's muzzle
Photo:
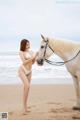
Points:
(40, 62)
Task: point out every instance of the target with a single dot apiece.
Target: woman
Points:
(25, 70)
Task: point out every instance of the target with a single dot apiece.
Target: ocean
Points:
(47, 74)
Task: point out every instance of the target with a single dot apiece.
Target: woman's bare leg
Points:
(29, 77)
(25, 88)
(29, 80)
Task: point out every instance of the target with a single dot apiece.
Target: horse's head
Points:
(45, 51)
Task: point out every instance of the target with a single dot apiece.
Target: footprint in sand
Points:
(66, 109)
(53, 111)
(54, 103)
(19, 112)
(60, 110)
(72, 100)
(29, 107)
(10, 113)
(76, 117)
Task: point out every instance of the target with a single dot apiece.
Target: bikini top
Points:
(29, 54)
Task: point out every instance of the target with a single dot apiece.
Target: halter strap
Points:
(61, 63)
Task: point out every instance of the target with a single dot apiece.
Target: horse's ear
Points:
(42, 37)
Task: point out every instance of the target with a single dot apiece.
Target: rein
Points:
(57, 63)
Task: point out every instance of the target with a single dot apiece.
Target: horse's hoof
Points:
(76, 108)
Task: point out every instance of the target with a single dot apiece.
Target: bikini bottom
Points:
(28, 73)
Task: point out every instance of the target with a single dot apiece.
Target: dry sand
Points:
(46, 102)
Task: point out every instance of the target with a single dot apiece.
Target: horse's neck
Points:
(64, 49)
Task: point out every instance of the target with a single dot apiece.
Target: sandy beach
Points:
(46, 102)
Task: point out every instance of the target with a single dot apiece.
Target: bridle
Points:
(47, 45)
(56, 63)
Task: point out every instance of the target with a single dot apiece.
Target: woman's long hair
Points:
(23, 44)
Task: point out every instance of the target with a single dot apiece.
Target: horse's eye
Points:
(42, 47)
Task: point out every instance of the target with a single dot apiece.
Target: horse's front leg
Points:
(77, 88)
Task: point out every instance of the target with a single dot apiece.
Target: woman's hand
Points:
(34, 58)
(27, 61)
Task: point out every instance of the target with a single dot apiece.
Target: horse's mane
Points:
(67, 41)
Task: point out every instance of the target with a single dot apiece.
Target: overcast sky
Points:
(28, 18)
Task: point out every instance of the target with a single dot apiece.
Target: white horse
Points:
(70, 53)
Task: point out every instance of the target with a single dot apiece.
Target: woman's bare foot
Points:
(25, 111)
